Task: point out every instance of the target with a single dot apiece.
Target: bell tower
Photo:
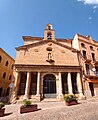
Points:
(49, 32)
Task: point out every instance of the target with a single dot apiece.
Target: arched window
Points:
(6, 63)
(49, 36)
(0, 59)
(83, 45)
(91, 47)
(49, 56)
(4, 75)
(49, 27)
(10, 77)
(12, 67)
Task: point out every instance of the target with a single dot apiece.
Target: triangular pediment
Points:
(42, 42)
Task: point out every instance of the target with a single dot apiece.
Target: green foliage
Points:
(26, 102)
(70, 97)
(2, 104)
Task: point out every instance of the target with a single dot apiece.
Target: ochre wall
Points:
(4, 82)
(38, 55)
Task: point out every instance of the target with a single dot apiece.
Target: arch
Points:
(4, 75)
(49, 35)
(49, 26)
(10, 77)
(6, 63)
(49, 86)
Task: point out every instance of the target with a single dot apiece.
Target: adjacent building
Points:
(89, 62)
(6, 72)
(49, 67)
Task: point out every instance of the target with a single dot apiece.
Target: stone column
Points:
(13, 97)
(79, 85)
(16, 83)
(69, 83)
(38, 87)
(60, 87)
(27, 89)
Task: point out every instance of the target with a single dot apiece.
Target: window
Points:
(10, 77)
(49, 27)
(84, 54)
(6, 63)
(83, 45)
(49, 48)
(12, 67)
(0, 59)
(49, 36)
(91, 48)
(49, 56)
(87, 69)
(4, 75)
(93, 56)
(96, 67)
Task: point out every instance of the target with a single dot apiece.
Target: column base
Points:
(26, 97)
(81, 97)
(60, 96)
(38, 97)
(13, 99)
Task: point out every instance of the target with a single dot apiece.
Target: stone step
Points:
(50, 100)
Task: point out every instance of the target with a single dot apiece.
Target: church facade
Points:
(50, 67)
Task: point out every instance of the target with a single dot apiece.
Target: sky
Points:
(29, 18)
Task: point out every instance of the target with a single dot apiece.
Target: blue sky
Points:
(29, 18)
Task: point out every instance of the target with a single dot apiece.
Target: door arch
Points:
(49, 86)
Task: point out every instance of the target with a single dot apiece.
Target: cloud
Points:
(94, 3)
(95, 6)
(90, 18)
(91, 2)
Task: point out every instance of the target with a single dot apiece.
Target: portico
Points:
(52, 84)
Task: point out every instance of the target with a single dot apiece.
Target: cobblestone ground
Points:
(85, 110)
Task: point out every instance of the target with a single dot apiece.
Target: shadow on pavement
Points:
(8, 113)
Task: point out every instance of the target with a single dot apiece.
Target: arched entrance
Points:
(49, 86)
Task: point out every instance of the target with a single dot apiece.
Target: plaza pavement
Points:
(85, 110)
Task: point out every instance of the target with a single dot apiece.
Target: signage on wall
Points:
(11, 85)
